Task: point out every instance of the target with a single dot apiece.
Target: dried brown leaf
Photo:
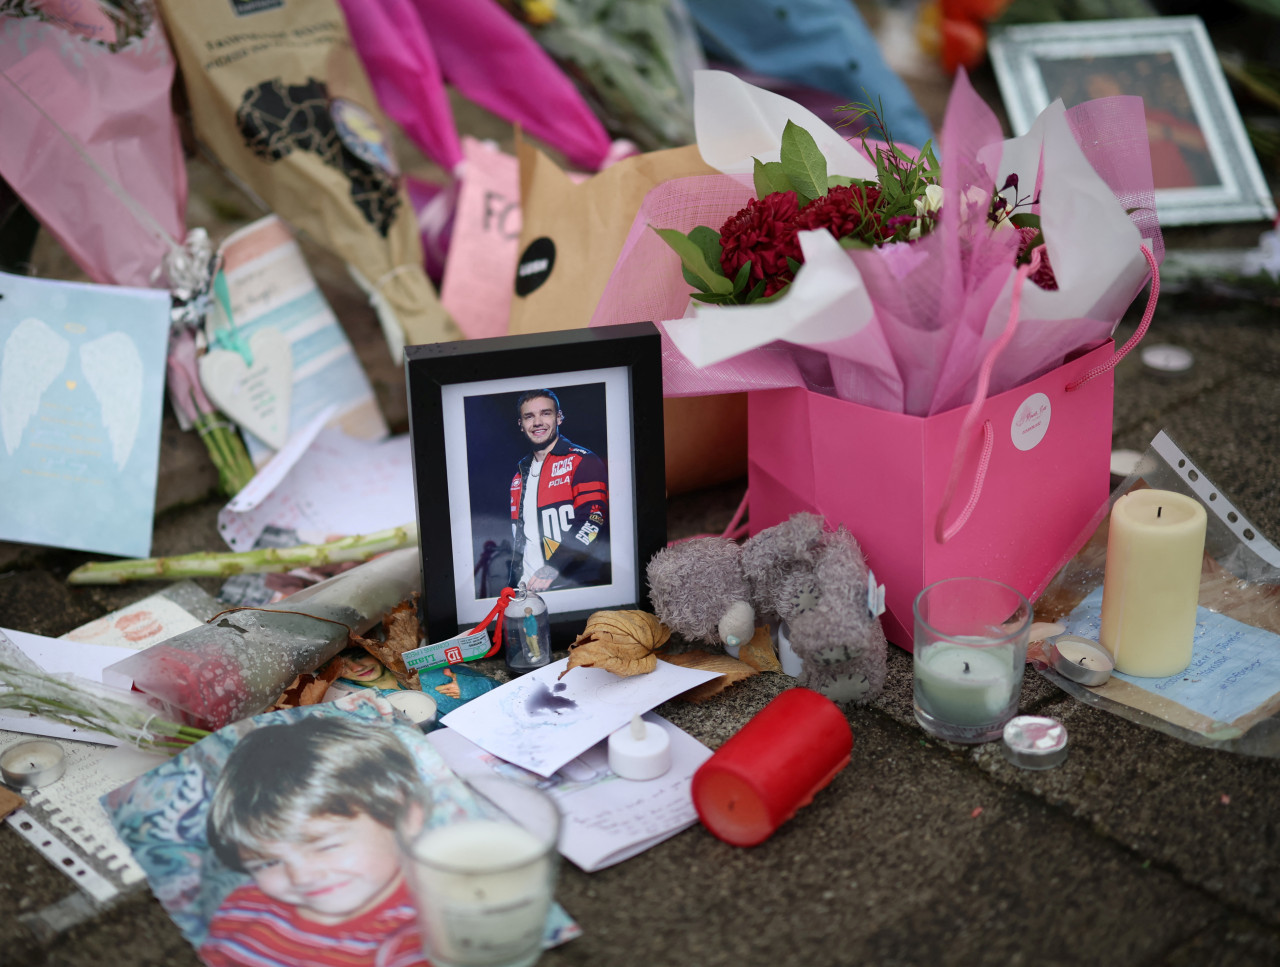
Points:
(759, 653)
(613, 656)
(9, 801)
(731, 671)
(403, 633)
(623, 642)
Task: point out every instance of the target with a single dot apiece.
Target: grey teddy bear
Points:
(712, 590)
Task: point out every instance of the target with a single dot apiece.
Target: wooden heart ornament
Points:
(258, 396)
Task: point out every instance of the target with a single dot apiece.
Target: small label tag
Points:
(466, 647)
(875, 595)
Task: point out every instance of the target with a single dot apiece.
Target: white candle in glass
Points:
(1155, 547)
(965, 686)
(484, 890)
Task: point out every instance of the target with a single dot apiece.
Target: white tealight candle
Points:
(965, 686)
(484, 888)
(1035, 742)
(30, 765)
(640, 751)
(1081, 660)
(418, 707)
(1155, 548)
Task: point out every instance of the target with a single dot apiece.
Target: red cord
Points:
(505, 598)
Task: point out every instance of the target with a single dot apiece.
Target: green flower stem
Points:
(268, 560)
(227, 451)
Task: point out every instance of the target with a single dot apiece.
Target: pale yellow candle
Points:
(1152, 583)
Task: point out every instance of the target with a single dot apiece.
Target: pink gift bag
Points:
(1033, 472)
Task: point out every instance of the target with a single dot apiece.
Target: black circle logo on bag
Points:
(534, 267)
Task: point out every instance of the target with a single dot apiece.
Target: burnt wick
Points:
(1158, 510)
(966, 668)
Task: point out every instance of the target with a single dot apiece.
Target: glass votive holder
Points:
(484, 886)
(526, 629)
(970, 649)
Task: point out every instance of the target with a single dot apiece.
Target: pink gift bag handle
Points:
(943, 532)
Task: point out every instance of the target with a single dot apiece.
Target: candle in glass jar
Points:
(772, 767)
(484, 889)
(1155, 547)
(966, 686)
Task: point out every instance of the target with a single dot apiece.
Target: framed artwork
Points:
(1203, 165)
(537, 458)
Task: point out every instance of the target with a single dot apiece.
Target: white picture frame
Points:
(1204, 166)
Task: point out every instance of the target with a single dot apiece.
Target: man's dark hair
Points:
(534, 394)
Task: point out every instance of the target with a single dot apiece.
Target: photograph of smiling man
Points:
(559, 503)
(537, 474)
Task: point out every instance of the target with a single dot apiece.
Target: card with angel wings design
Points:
(82, 371)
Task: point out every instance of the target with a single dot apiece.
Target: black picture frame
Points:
(459, 429)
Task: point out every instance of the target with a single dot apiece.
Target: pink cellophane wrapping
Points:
(936, 304)
(113, 106)
(492, 61)
(405, 73)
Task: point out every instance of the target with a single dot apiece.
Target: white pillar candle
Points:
(639, 750)
(484, 888)
(1155, 548)
(965, 686)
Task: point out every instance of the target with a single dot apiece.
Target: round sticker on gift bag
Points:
(1031, 421)
(535, 265)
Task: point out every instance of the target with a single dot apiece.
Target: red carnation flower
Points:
(1043, 276)
(764, 234)
(846, 210)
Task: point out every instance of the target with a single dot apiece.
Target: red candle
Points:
(775, 764)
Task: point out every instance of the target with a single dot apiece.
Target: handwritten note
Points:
(271, 287)
(606, 819)
(82, 371)
(540, 721)
(1233, 671)
(340, 486)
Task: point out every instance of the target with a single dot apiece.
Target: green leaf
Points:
(692, 279)
(691, 255)
(839, 180)
(850, 241)
(793, 265)
(740, 280)
(1025, 220)
(803, 163)
(770, 177)
(756, 292)
(711, 299)
(708, 240)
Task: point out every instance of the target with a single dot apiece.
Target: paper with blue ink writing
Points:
(82, 370)
(1235, 667)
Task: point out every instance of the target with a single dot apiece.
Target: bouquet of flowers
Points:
(886, 275)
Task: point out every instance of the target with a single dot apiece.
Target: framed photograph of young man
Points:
(1202, 163)
(538, 459)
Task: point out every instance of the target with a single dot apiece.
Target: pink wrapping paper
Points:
(493, 62)
(398, 55)
(928, 310)
(118, 207)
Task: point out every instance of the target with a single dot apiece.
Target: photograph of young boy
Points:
(309, 810)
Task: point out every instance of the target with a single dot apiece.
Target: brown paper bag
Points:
(571, 236)
(279, 95)
(575, 231)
